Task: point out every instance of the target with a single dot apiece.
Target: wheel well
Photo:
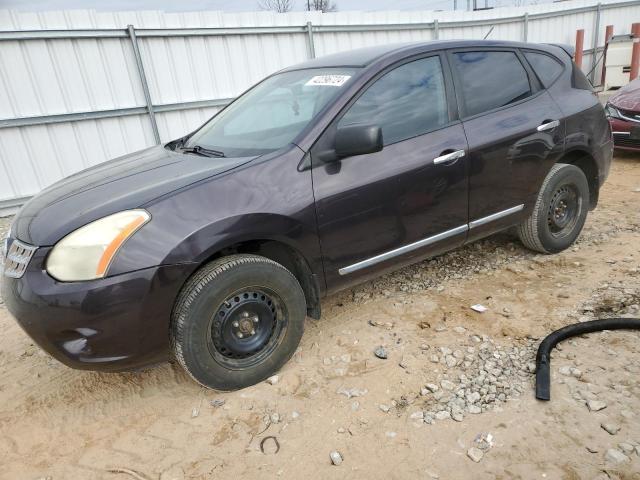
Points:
(289, 258)
(587, 164)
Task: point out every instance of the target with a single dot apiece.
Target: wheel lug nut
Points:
(236, 324)
(253, 332)
(255, 320)
(240, 335)
(245, 314)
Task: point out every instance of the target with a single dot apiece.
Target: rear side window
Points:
(406, 102)
(546, 67)
(490, 80)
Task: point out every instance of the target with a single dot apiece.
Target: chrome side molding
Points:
(402, 250)
(495, 216)
(428, 241)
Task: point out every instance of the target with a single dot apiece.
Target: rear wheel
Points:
(237, 321)
(560, 211)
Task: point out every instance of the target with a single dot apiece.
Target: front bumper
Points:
(111, 324)
(622, 137)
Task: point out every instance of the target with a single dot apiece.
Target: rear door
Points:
(381, 210)
(515, 133)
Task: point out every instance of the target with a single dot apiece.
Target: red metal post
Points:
(607, 36)
(635, 55)
(579, 47)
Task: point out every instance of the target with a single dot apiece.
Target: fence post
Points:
(312, 47)
(436, 29)
(577, 56)
(635, 52)
(594, 55)
(143, 81)
(525, 27)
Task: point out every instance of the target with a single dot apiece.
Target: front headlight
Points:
(86, 253)
(612, 111)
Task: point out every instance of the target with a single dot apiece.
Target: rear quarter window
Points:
(546, 67)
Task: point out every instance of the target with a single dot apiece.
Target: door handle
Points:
(548, 126)
(449, 158)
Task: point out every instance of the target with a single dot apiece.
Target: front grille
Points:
(625, 141)
(18, 258)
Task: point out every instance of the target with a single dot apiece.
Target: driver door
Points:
(385, 209)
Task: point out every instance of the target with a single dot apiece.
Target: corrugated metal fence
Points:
(80, 87)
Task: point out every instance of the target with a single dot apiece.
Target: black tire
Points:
(237, 321)
(560, 211)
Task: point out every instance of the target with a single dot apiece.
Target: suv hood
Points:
(124, 183)
(628, 97)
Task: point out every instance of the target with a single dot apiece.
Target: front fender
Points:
(210, 239)
(268, 200)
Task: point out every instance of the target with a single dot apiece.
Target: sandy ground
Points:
(58, 423)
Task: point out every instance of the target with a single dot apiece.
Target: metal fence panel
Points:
(71, 94)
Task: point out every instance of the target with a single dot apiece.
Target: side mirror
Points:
(357, 140)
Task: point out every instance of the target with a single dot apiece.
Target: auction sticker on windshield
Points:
(329, 80)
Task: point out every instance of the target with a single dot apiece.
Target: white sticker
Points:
(328, 80)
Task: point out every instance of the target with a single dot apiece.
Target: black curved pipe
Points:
(543, 358)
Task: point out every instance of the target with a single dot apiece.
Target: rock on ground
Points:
(475, 454)
(336, 457)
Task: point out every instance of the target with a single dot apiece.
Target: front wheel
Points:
(237, 321)
(560, 211)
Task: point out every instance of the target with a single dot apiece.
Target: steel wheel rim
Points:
(247, 327)
(564, 210)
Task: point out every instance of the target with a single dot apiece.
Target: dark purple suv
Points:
(217, 245)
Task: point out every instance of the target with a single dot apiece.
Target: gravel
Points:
(596, 405)
(610, 428)
(351, 392)
(441, 415)
(380, 352)
(486, 376)
(432, 387)
(458, 416)
(618, 299)
(275, 418)
(475, 454)
(626, 448)
(336, 457)
(615, 457)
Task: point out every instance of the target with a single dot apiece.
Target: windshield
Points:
(272, 114)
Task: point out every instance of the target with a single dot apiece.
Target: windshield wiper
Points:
(205, 152)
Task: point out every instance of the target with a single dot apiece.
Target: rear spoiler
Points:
(569, 49)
